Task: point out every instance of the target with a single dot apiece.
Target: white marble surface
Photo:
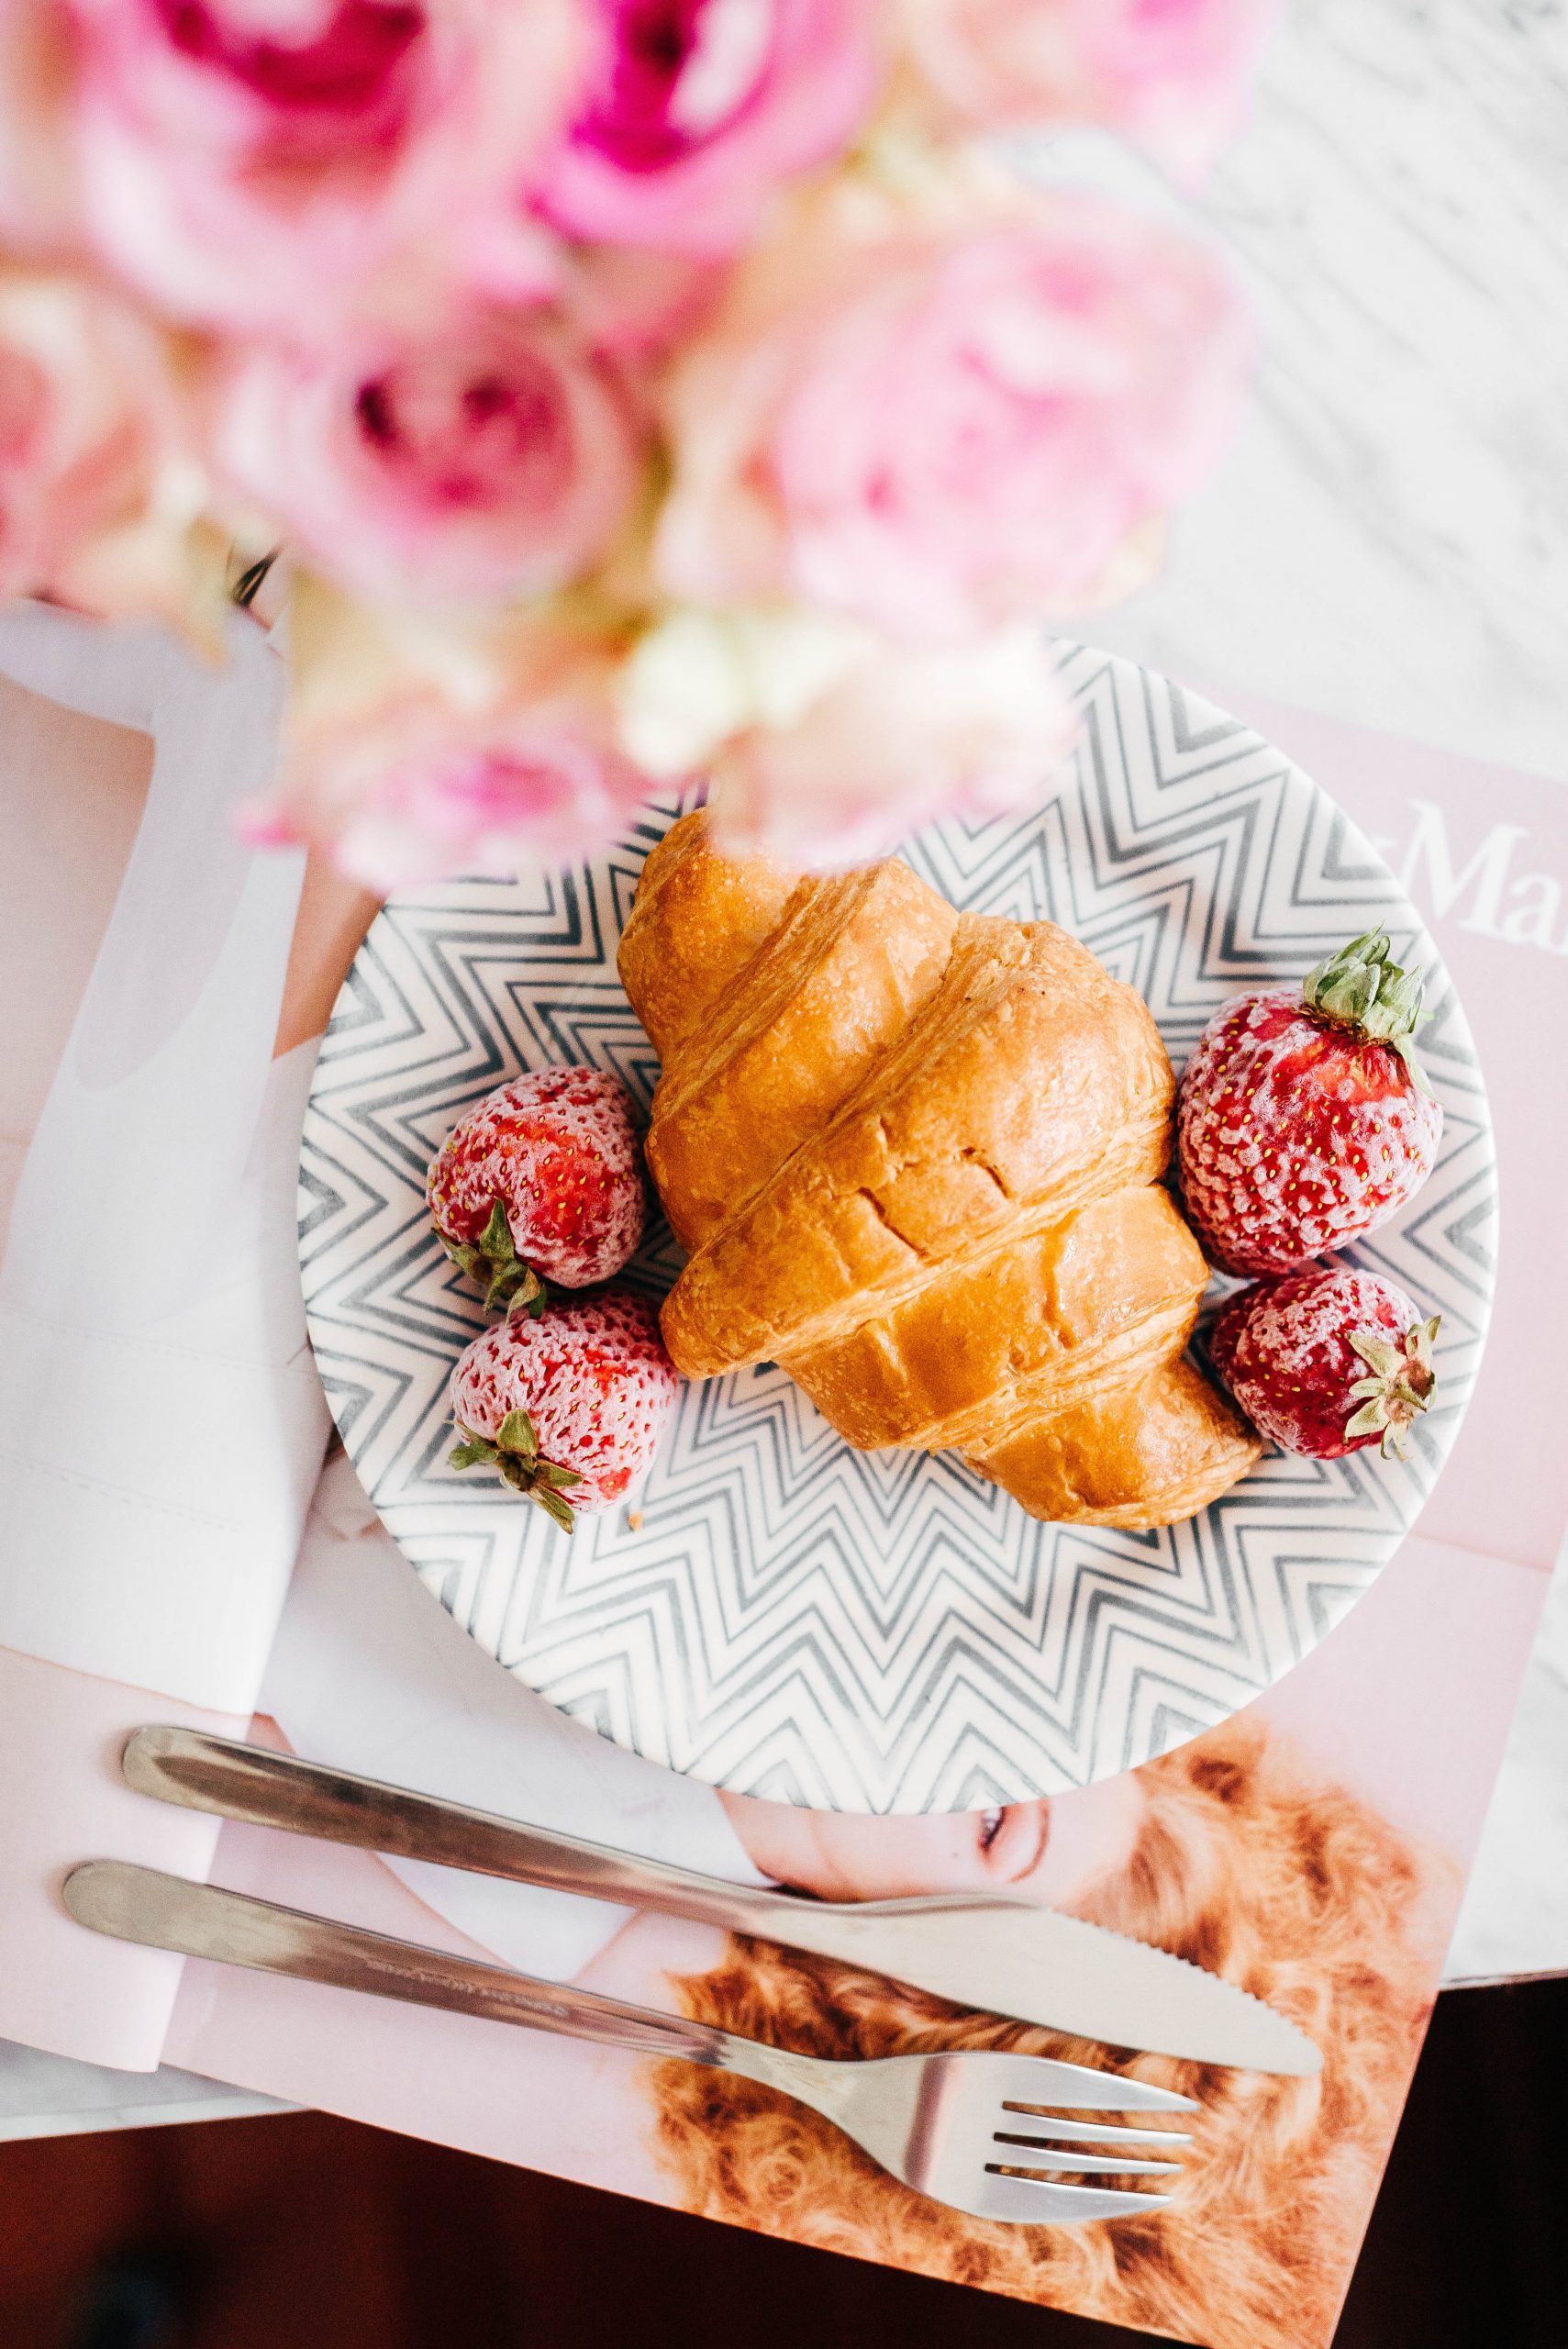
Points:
(1514, 1922)
(48, 2096)
(1388, 542)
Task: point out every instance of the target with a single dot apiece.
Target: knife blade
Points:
(1005, 1957)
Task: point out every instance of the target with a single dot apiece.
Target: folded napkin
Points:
(371, 1674)
(161, 1422)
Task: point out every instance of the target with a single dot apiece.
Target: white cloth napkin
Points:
(160, 1420)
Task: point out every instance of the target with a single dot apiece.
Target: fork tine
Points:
(1040, 2080)
(1100, 2133)
(1033, 2202)
(1077, 2164)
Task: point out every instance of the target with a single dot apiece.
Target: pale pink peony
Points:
(420, 750)
(700, 109)
(940, 430)
(826, 745)
(906, 739)
(522, 794)
(1172, 74)
(252, 163)
(417, 791)
(490, 456)
(95, 498)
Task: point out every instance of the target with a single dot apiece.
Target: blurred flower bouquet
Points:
(638, 388)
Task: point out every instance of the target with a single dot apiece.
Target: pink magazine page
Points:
(1313, 1849)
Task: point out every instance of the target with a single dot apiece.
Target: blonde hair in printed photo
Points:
(1248, 1864)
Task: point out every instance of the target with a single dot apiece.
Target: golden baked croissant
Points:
(915, 1157)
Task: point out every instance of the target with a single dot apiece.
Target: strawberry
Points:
(1326, 1361)
(567, 1407)
(1304, 1119)
(540, 1181)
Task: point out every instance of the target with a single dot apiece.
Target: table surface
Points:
(1387, 544)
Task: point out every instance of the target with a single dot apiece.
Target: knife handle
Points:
(262, 1788)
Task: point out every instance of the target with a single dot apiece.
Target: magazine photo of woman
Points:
(1232, 1853)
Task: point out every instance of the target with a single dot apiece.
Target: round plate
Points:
(777, 1613)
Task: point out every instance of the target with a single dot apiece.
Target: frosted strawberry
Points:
(540, 1181)
(1327, 1360)
(1304, 1119)
(569, 1408)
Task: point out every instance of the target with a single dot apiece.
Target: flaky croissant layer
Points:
(916, 1156)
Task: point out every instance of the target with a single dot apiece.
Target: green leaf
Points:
(521, 1288)
(247, 587)
(1423, 1338)
(469, 1454)
(516, 1434)
(1369, 1418)
(549, 1473)
(1406, 1052)
(496, 1240)
(1377, 1353)
(554, 1507)
(1360, 987)
(517, 1473)
(499, 1288)
(517, 1288)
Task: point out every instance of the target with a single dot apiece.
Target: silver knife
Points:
(1005, 1957)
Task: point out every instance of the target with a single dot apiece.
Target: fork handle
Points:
(137, 1904)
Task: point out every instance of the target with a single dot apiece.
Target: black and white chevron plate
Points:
(880, 1632)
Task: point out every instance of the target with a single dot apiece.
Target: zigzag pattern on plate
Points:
(793, 1619)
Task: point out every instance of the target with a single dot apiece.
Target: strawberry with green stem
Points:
(566, 1408)
(1327, 1360)
(1304, 1119)
(539, 1185)
(514, 1456)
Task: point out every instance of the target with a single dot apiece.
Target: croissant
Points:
(915, 1157)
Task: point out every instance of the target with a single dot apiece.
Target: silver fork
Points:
(978, 2129)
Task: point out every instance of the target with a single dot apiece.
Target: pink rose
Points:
(826, 745)
(936, 430)
(1171, 74)
(635, 305)
(94, 502)
(492, 457)
(255, 163)
(701, 108)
